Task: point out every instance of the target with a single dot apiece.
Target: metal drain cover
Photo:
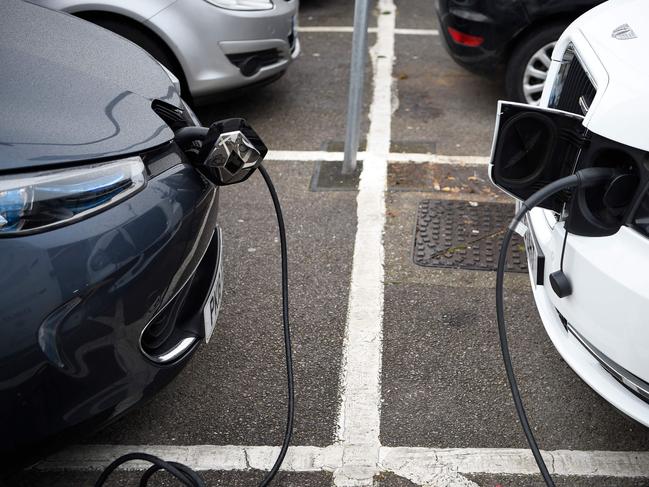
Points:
(463, 235)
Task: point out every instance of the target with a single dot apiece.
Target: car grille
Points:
(576, 90)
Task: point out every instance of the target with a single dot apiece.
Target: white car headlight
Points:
(243, 4)
(32, 202)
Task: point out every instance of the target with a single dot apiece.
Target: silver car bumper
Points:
(211, 43)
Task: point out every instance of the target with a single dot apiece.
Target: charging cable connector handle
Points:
(584, 178)
(183, 473)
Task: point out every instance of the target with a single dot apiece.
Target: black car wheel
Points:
(528, 65)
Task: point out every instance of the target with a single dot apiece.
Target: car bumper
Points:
(209, 43)
(78, 301)
(600, 341)
(498, 27)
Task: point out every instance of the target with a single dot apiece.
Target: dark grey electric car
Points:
(109, 249)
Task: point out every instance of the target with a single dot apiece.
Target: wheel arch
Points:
(135, 23)
(535, 26)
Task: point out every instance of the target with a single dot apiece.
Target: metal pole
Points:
(356, 84)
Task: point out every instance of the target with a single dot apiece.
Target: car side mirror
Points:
(230, 152)
(533, 147)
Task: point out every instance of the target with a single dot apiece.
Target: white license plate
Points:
(535, 257)
(213, 303)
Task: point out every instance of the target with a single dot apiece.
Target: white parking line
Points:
(415, 158)
(359, 421)
(371, 30)
(198, 457)
(331, 29)
(416, 32)
(420, 465)
(438, 159)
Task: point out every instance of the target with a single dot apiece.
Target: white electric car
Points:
(594, 112)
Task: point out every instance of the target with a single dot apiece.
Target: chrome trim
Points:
(631, 381)
(186, 343)
(583, 104)
(235, 143)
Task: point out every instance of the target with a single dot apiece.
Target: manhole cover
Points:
(463, 235)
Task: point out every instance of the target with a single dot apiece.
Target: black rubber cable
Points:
(287, 332)
(585, 177)
(563, 248)
(185, 474)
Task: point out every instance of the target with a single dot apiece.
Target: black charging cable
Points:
(185, 474)
(583, 178)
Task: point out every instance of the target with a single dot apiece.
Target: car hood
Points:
(73, 92)
(613, 39)
(618, 32)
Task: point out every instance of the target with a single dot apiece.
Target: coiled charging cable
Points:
(181, 472)
(583, 178)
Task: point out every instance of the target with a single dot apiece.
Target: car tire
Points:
(529, 59)
(147, 41)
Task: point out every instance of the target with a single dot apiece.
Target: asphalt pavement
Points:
(442, 381)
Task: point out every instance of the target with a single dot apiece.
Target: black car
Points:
(109, 246)
(517, 35)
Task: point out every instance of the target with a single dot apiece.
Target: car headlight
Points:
(243, 4)
(37, 201)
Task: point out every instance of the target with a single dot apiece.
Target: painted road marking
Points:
(409, 462)
(393, 157)
(371, 30)
(359, 421)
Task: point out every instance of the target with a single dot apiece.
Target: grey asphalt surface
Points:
(537, 481)
(443, 381)
(233, 392)
(440, 102)
(330, 13)
(418, 14)
(131, 479)
(442, 365)
(307, 106)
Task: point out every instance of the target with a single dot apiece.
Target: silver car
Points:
(212, 46)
